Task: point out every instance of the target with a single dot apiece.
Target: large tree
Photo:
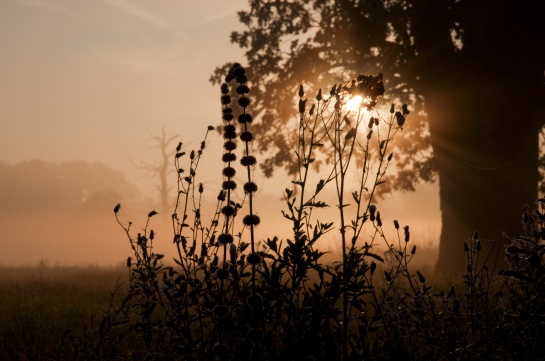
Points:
(473, 70)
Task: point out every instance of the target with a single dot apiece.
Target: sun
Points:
(354, 103)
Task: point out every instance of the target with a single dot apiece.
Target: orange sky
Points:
(91, 80)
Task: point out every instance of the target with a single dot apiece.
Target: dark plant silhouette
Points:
(481, 103)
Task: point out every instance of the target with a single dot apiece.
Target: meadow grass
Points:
(230, 296)
(41, 304)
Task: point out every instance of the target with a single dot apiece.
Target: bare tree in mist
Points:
(473, 70)
(161, 170)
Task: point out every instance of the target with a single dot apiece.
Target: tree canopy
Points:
(473, 72)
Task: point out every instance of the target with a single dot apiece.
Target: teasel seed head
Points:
(245, 118)
(225, 99)
(238, 69)
(244, 102)
(227, 116)
(229, 146)
(229, 172)
(228, 210)
(251, 220)
(222, 273)
(319, 95)
(250, 187)
(229, 157)
(225, 238)
(229, 185)
(248, 160)
(246, 136)
(302, 106)
(405, 110)
(229, 134)
(254, 258)
(242, 89)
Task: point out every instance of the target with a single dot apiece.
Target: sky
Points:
(93, 80)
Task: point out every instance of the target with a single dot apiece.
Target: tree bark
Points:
(484, 108)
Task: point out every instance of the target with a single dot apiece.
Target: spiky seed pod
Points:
(246, 136)
(245, 118)
(220, 311)
(221, 351)
(248, 160)
(229, 134)
(390, 156)
(392, 109)
(379, 220)
(311, 111)
(333, 90)
(370, 134)
(254, 300)
(251, 220)
(244, 102)
(229, 185)
(319, 95)
(211, 127)
(129, 262)
(302, 106)
(224, 88)
(407, 233)
(228, 210)
(396, 224)
(229, 146)
(301, 92)
(229, 172)
(201, 188)
(250, 187)
(400, 119)
(405, 110)
(239, 70)
(229, 157)
(222, 273)
(376, 121)
(242, 89)
(371, 122)
(372, 210)
(254, 258)
(413, 251)
(420, 277)
(241, 79)
(225, 99)
(229, 128)
(227, 117)
(225, 238)
(221, 196)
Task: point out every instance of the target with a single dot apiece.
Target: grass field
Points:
(40, 305)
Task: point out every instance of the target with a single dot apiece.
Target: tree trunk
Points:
(484, 105)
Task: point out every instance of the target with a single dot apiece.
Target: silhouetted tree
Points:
(474, 69)
(162, 169)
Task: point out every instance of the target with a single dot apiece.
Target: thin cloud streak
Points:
(139, 12)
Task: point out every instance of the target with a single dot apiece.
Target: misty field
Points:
(43, 308)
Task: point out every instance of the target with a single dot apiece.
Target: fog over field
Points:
(85, 88)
